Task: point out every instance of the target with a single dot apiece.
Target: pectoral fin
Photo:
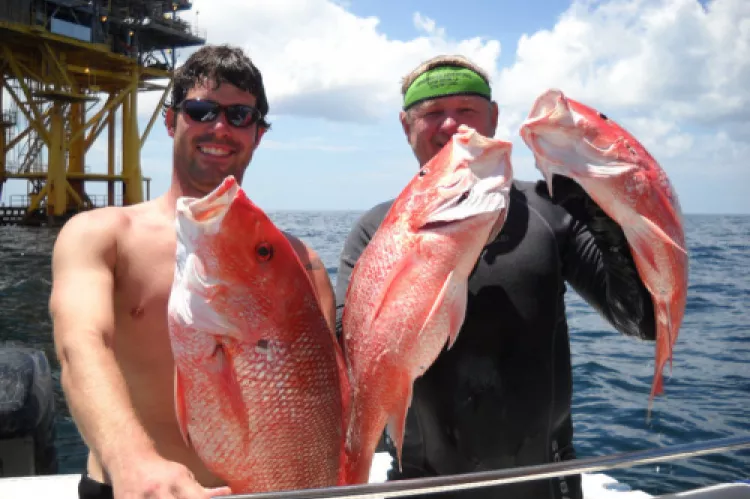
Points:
(452, 300)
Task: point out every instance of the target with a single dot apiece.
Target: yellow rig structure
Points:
(66, 68)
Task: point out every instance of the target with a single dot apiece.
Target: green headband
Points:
(443, 81)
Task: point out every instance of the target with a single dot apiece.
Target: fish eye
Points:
(603, 116)
(264, 251)
(423, 172)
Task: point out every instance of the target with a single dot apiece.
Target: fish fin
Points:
(663, 236)
(397, 417)
(454, 294)
(671, 335)
(671, 206)
(403, 266)
(181, 407)
(666, 335)
(232, 388)
(452, 290)
(640, 239)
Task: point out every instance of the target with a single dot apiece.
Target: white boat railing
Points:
(418, 486)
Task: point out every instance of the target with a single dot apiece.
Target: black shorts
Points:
(89, 488)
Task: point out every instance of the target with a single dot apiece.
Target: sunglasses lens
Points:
(241, 116)
(201, 110)
(238, 115)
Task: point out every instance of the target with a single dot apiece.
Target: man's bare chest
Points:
(143, 282)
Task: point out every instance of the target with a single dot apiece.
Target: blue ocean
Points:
(707, 395)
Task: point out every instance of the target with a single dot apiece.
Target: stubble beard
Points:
(198, 180)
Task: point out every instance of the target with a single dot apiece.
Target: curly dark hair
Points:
(222, 64)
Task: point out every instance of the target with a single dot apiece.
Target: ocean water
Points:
(707, 396)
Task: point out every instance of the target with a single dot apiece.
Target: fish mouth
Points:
(548, 131)
(452, 204)
(552, 108)
(479, 187)
(549, 124)
(210, 209)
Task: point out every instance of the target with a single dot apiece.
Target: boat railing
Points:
(419, 486)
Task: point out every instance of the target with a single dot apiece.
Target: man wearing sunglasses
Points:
(112, 275)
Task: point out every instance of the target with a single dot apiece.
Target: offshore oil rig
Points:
(69, 70)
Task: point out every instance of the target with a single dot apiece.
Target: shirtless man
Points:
(112, 275)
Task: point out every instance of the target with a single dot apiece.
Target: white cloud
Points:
(673, 72)
(671, 61)
(668, 68)
(318, 59)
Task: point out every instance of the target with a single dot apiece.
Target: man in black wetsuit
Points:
(501, 396)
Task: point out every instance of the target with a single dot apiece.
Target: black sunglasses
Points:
(205, 111)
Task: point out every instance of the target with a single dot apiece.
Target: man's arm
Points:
(319, 276)
(81, 307)
(82, 310)
(600, 267)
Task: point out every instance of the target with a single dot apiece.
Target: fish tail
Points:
(665, 337)
(671, 335)
(357, 464)
(397, 416)
(365, 428)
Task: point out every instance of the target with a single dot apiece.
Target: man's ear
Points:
(405, 123)
(169, 121)
(494, 113)
(259, 133)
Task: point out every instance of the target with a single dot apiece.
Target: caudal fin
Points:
(371, 417)
(397, 416)
(666, 336)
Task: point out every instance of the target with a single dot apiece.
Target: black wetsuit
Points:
(501, 396)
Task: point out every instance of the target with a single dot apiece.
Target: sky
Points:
(675, 73)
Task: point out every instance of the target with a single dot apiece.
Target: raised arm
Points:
(599, 266)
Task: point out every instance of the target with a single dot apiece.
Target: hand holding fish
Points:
(156, 478)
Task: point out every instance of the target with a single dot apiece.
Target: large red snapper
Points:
(260, 383)
(573, 140)
(407, 294)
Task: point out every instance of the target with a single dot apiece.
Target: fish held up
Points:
(576, 141)
(407, 294)
(260, 384)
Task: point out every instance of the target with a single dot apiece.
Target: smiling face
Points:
(431, 124)
(205, 153)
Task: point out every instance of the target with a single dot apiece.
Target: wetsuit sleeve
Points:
(354, 245)
(598, 264)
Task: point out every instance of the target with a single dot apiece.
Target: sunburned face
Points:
(205, 153)
(431, 124)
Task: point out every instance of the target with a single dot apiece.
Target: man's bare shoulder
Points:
(92, 228)
(307, 255)
(102, 228)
